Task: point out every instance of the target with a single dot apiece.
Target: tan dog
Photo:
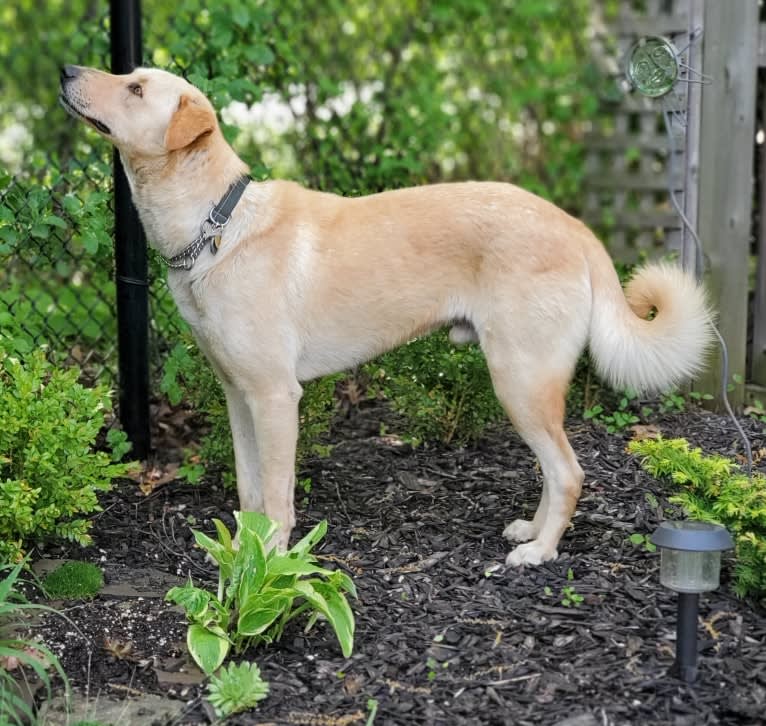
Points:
(306, 283)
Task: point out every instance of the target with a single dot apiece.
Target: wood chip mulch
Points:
(445, 634)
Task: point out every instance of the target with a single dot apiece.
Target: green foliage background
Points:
(501, 89)
(372, 96)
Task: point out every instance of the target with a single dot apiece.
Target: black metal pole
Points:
(131, 270)
(686, 636)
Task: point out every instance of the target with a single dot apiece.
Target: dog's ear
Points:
(189, 122)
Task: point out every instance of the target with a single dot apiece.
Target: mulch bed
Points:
(443, 636)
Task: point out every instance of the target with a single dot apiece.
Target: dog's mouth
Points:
(74, 111)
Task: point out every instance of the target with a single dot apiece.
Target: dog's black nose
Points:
(69, 72)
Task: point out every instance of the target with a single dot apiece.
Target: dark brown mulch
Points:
(443, 635)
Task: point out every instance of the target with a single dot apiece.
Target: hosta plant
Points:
(260, 590)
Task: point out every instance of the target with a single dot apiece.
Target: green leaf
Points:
(208, 648)
(293, 565)
(90, 242)
(220, 553)
(249, 570)
(8, 582)
(257, 523)
(224, 536)
(194, 600)
(241, 15)
(307, 543)
(343, 583)
(259, 613)
(261, 55)
(55, 221)
(9, 235)
(334, 607)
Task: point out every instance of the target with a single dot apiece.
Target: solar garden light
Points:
(690, 563)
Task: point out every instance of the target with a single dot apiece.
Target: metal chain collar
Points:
(211, 229)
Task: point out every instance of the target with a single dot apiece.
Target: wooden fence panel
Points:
(627, 173)
(627, 177)
(730, 58)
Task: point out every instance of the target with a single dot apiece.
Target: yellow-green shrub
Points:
(49, 472)
(715, 489)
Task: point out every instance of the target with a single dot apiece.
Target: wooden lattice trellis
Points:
(627, 171)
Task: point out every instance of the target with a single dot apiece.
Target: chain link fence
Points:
(57, 284)
(348, 121)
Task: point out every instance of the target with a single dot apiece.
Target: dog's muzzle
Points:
(68, 74)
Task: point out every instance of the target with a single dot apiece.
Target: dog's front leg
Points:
(245, 450)
(274, 411)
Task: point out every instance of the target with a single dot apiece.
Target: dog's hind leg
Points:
(534, 399)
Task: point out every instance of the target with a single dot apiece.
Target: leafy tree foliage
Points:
(383, 94)
(352, 97)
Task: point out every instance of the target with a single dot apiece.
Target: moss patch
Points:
(74, 581)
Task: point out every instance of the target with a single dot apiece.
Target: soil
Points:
(444, 633)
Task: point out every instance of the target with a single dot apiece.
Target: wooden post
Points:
(689, 254)
(758, 358)
(730, 58)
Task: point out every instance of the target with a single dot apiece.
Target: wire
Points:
(698, 271)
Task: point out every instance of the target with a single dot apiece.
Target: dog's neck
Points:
(174, 194)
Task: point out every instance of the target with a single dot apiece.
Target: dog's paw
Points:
(530, 553)
(281, 540)
(520, 530)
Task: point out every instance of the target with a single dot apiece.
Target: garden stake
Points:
(685, 666)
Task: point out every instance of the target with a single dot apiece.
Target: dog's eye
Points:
(136, 90)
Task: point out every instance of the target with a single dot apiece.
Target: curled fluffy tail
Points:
(630, 349)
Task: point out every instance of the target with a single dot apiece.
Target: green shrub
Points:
(715, 489)
(444, 392)
(74, 581)
(49, 471)
(187, 376)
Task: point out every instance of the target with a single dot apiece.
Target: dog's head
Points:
(148, 112)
